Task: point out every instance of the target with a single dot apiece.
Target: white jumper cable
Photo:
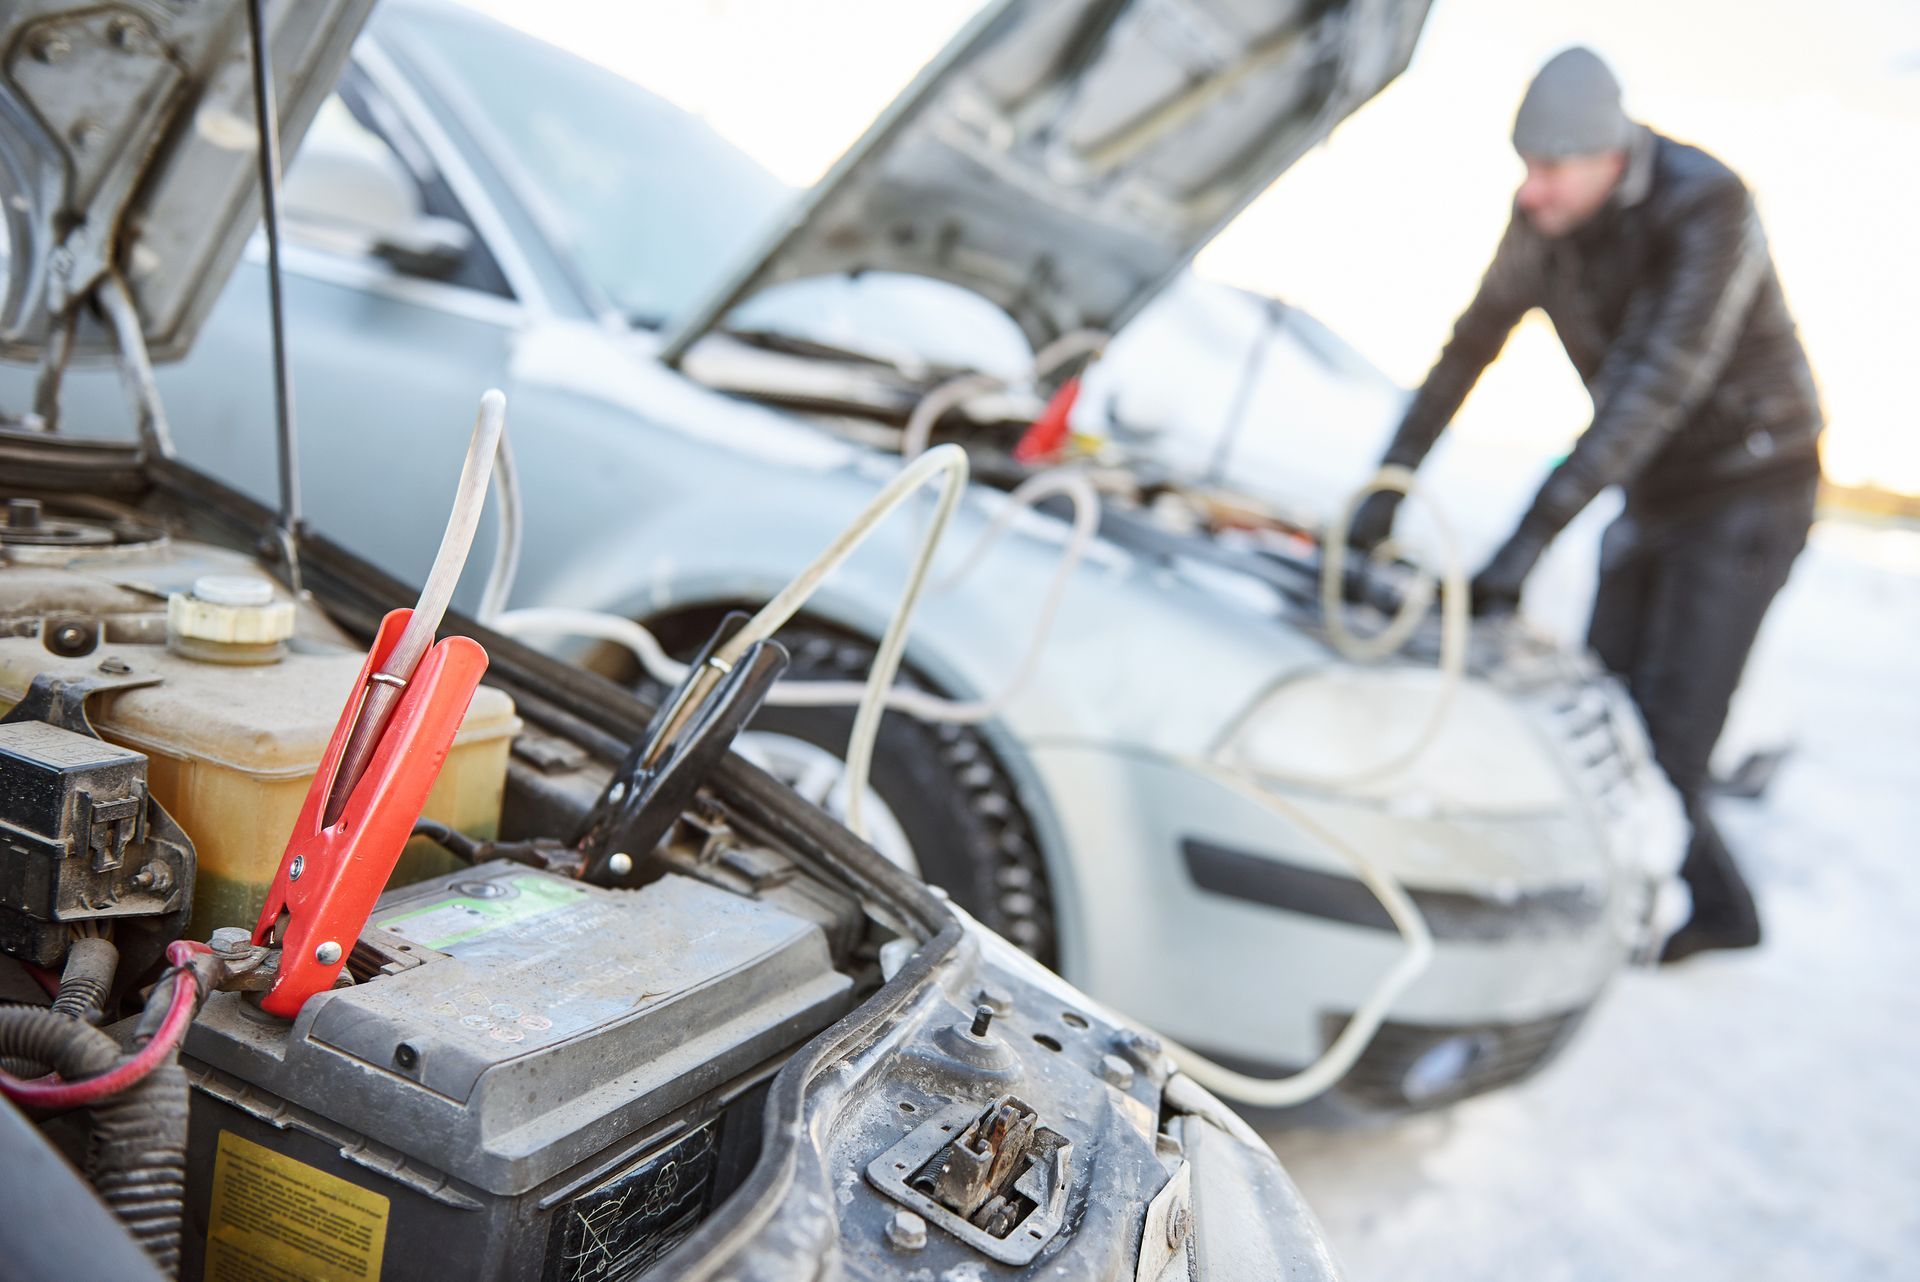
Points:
(385, 685)
(1455, 623)
(877, 693)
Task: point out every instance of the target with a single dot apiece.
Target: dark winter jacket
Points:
(1669, 306)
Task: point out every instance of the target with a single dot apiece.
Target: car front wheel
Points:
(939, 803)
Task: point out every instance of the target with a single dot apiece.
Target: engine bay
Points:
(544, 1056)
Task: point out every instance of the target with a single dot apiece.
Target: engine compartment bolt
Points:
(86, 134)
(125, 34)
(298, 866)
(620, 863)
(70, 638)
(154, 876)
(23, 514)
(982, 1020)
(907, 1231)
(1179, 1220)
(1116, 1072)
(327, 954)
(49, 48)
(1142, 1049)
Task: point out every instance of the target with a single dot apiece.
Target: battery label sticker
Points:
(274, 1219)
(485, 906)
(623, 1226)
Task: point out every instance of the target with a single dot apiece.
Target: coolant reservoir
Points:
(233, 745)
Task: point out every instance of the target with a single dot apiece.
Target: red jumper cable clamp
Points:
(1048, 434)
(331, 874)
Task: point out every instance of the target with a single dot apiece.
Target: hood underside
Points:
(1066, 159)
(127, 146)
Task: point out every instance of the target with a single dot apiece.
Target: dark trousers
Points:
(1681, 598)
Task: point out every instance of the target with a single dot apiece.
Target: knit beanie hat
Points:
(1572, 108)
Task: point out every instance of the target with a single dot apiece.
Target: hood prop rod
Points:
(267, 125)
(136, 366)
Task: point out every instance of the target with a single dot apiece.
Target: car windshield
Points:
(657, 208)
(652, 204)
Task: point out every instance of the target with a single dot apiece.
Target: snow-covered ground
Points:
(1740, 1116)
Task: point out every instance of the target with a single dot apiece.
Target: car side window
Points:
(361, 186)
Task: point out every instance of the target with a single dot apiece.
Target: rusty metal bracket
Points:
(995, 1178)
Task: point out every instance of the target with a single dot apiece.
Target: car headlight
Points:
(1331, 730)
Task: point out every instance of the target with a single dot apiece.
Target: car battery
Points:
(531, 1078)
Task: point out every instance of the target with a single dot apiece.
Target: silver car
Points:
(476, 207)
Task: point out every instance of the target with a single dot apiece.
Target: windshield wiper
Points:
(773, 340)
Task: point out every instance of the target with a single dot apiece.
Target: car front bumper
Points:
(1236, 931)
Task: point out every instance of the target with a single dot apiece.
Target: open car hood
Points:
(1065, 159)
(127, 145)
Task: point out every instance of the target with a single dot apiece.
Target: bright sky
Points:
(1383, 232)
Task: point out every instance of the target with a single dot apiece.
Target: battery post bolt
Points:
(242, 965)
(230, 939)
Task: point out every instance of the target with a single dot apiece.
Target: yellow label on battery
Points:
(274, 1219)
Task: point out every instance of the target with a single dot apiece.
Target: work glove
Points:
(1496, 589)
(1373, 522)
